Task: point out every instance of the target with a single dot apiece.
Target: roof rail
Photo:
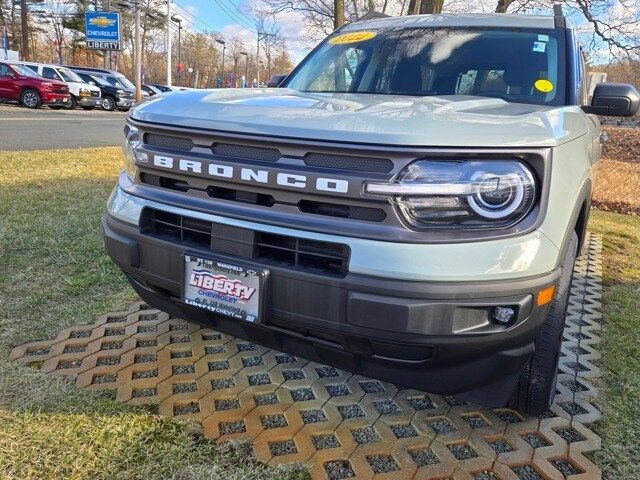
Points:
(558, 15)
(371, 15)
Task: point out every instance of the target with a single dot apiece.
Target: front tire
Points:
(108, 104)
(536, 387)
(72, 103)
(30, 98)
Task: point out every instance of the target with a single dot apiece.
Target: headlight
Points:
(120, 92)
(470, 194)
(131, 150)
(84, 92)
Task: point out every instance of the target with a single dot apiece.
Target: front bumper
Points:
(125, 102)
(430, 335)
(87, 101)
(55, 99)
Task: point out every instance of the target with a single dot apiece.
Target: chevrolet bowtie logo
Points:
(102, 22)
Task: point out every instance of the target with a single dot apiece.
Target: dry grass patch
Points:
(54, 273)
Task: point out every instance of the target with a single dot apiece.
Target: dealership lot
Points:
(44, 129)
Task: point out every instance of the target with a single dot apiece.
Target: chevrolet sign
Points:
(102, 30)
(102, 22)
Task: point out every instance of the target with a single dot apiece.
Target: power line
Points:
(239, 21)
(230, 2)
(198, 19)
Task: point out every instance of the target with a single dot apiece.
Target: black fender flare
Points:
(578, 221)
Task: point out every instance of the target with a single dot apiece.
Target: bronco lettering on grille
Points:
(251, 175)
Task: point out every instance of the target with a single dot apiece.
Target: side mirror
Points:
(92, 83)
(10, 74)
(614, 99)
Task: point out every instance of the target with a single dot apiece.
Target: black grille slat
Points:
(367, 214)
(246, 152)
(348, 162)
(313, 256)
(168, 141)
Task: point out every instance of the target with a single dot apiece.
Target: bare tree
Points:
(319, 15)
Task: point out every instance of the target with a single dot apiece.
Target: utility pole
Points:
(24, 23)
(224, 48)
(179, 21)
(261, 36)
(138, 53)
(338, 13)
(258, 60)
(169, 66)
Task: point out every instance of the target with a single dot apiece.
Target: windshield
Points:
(98, 81)
(127, 83)
(68, 75)
(522, 65)
(27, 72)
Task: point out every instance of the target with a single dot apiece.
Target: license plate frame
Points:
(222, 287)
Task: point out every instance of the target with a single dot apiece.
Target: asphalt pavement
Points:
(44, 129)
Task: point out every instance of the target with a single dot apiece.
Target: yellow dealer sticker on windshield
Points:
(351, 37)
(542, 85)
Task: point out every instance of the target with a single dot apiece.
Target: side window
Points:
(3, 70)
(32, 67)
(466, 82)
(340, 74)
(50, 73)
(585, 87)
(474, 82)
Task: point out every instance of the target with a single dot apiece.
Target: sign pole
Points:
(169, 66)
(138, 53)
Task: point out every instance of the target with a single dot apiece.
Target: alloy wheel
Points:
(30, 99)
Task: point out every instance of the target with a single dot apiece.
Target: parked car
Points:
(408, 206)
(165, 88)
(112, 97)
(151, 90)
(20, 84)
(82, 94)
(157, 89)
(114, 78)
(276, 81)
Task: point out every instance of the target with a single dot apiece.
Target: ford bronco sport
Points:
(409, 206)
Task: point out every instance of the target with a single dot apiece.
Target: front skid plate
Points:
(341, 425)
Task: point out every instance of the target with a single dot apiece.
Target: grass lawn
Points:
(54, 273)
(619, 398)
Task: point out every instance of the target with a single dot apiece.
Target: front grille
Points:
(348, 162)
(246, 152)
(352, 212)
(242, 196)
(316, 257)
(168, 141)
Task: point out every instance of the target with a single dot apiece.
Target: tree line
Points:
(55, 34)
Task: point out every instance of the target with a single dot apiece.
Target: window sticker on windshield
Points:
(543, 38)
(351, 37)
(539, 47)
(543, 85)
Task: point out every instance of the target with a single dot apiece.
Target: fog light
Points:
(503, 315)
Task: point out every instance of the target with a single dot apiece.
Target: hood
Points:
(447, 121)
(86, 86)
(55, 83)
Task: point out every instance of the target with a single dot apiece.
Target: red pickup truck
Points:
(19, 83)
